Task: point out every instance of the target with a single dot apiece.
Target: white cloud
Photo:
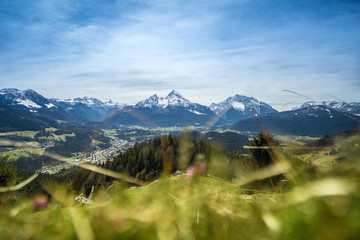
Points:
(202, 52)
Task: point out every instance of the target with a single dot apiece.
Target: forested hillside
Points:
(146, 161)
(78, 140)
(11, 119)
(67, 142)
(270, 194)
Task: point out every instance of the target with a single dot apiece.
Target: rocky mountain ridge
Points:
(241, 107)
(169, 111)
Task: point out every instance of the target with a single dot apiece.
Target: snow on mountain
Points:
(111, 103)
(196, 112)
(86, 109)
(153, 101)
(155, 111)
(50, 105)
(13, 120)
(315, 120)
(27, 103)
(90, 102)
(350, 107)
(30, 102)
(23, 99)
(241, 103)
(173, 99)
(81, 110)
(240, 107)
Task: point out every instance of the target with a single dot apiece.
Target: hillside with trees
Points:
(146, 161)
(244, 193)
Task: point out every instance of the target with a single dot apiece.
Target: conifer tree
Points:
(261, 153)
(8, 172)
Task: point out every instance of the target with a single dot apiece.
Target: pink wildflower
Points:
(39, 203)
(190, 172)
(201, 167)
(197, 169)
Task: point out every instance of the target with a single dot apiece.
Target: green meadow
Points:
(316, 197)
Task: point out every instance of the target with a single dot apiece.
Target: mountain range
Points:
(350, 107)
(86, 109)
(169, 111)
(78, 110)
(313, 120)
(31, 103)
(30, 109)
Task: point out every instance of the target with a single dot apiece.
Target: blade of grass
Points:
(20, 185)
(90, 167)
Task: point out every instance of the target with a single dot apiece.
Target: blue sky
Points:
(207, 50)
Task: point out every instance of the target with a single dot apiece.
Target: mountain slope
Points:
(13, 120)
(316, 120)
(172, 110)
(240, 107)
(86, 109)
(350, 107)
(30, 102)
(78, 110)
(330, 139)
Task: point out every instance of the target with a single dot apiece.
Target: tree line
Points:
(165, 154)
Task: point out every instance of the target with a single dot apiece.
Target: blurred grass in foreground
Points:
(309, 202)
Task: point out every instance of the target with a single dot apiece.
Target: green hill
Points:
(312, 201)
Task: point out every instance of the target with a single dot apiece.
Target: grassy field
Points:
(312, 201)
(60, 167)
(110, 132)
(55, 137)
(14, 154)
(51, 129)
(61, 121)
(204, 207)
(29, 134)
(96, 144)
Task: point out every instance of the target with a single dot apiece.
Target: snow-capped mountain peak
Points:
(90, 102)
(9, 90)
(87, 108)
(173, 99)
(30, 92)
(307, 105)
(172, 110)
(28, 98)
(351, 107)
(240, 107)
(112, 103)
(238, 103)
(78, 110)
(152, 101)
(174, 93)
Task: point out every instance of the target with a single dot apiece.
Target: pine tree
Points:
(261, 153)
(8, 172)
